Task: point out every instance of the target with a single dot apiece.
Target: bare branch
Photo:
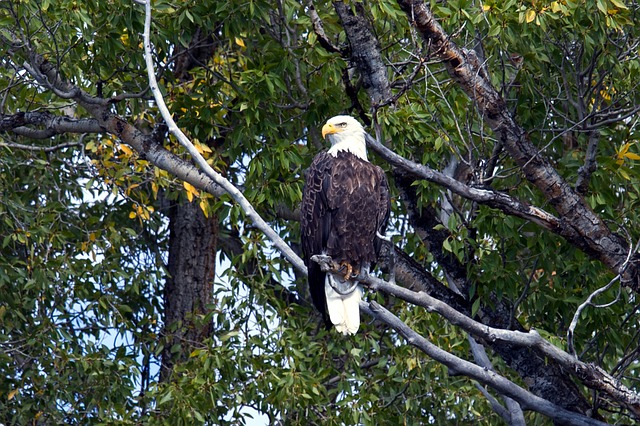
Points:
(50, 124)
(227, 186)
(588, 302)
(39, 148)
(512, 414)
(488, 197)
(591, 375)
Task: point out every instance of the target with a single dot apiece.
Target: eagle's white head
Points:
(345, 134)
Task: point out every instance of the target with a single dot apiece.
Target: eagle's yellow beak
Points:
(328, 129)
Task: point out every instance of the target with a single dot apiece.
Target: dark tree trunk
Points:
(189, 286)
(192, 247)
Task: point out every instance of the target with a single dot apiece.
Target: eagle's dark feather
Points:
(345, 202)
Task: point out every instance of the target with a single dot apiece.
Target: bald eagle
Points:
(345, 203)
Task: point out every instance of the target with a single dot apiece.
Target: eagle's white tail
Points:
(344, 309)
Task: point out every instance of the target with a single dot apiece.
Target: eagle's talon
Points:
(355, 273)
(347, 274)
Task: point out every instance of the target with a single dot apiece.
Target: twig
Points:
(39, 148)
(576, 315)
(229, 188)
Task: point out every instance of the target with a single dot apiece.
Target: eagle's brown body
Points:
(345, 203)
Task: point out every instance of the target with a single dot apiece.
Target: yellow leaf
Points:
(12, 394)
(623, 149)
(125, 149)
(203, 207)
(240, 42)
(154, 189)
(632, 156)
(202, 148)
(132, 215)
(486, 7)
(530, 15)
(191, 191)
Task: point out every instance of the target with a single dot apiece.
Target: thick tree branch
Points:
(489, 197)
(414, 277)
(48, 124)
(365, 52)
(318, 29)
(591, 375)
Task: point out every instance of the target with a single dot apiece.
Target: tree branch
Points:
(512, 414)
(489, 197)
(586, 170)
(227, 186)
(526, 399)
(52, 124)
(365, 53)
(318, 29)
(39, 148)
(591, 375)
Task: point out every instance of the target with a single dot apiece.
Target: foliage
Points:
(84, 235)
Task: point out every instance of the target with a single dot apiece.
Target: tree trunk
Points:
(192, 247)
(189, 286)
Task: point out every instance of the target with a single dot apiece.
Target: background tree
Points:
(508, 130)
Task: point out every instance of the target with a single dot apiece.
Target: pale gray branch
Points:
(488, 197)
(512, 414)
(228, 187)
(39, 148)
(590, 375)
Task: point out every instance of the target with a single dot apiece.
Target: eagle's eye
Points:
(342, 125)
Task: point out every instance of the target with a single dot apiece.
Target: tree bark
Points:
(365, 52)
(192, 248)
(189, 285)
